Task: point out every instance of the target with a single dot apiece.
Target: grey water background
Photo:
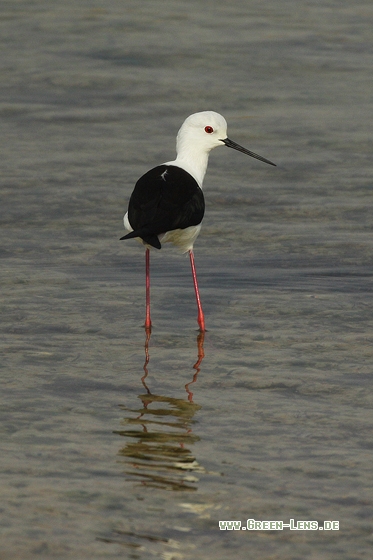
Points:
(99, 460)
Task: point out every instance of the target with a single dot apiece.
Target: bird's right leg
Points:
(148, 323)
(201, 317)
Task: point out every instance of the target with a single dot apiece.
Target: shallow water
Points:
(114, 446)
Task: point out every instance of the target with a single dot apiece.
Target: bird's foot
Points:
(201, 323)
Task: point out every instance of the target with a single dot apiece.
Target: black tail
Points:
(150, 239)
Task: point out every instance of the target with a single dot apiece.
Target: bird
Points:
(167, 203)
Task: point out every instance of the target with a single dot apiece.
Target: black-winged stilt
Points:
(167, 203)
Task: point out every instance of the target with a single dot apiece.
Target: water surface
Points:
(115, 446)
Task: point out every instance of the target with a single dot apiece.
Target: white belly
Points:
(182, 238)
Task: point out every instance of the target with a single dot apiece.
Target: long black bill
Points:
(239, 148)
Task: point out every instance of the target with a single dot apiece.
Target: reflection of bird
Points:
(167, 203)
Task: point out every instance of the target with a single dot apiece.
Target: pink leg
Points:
(148, 323)
(201, 317)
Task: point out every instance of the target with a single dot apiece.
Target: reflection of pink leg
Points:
(147, 358)
(201, 355)
(201, 317)
(201, 351)
(148, 323)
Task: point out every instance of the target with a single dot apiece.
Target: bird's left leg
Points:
(148, 323)
(201, 317)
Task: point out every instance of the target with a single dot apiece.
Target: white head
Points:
(198, 135)
(202, 131)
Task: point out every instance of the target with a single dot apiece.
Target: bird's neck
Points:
(194, 163)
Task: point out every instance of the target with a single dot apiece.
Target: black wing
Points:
(165, 198)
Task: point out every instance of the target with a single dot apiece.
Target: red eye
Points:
(209, 129)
